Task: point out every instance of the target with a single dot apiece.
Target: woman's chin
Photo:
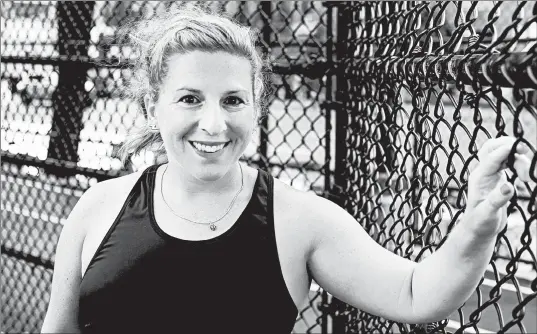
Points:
(205, 170)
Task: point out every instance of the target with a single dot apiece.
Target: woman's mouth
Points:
(208, 147)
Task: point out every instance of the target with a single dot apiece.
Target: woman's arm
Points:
(354, 268)
(62, 312)
(349, 264)
(452, 273)
(446, 279)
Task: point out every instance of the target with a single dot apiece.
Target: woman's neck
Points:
(178, 181)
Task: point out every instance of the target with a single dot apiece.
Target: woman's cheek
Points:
(246, 130)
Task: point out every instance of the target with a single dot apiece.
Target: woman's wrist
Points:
(470, 237)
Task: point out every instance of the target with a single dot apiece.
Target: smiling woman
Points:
(161, 40)
(205, 112)
(205, 244)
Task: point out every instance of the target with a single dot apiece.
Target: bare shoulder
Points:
(110, 197)
(69, 256)
(99, 195)
(290, 198)
(301, 203)
(308, 212)
(302, 214)
(114, 183)
(109, 194)
(108, 191)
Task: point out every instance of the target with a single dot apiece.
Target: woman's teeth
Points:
(208, 148)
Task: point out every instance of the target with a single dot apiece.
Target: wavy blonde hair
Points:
(181, 30)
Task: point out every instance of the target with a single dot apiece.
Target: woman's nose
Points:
(213, 120)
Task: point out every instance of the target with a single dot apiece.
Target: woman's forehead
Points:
(198, 69)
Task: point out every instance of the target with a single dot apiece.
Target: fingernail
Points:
(505, 189)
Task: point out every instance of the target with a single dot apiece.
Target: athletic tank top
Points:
(141, 279)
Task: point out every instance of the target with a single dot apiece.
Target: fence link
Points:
(63, 118)
(423, 85)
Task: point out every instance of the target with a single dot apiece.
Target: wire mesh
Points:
(423, 85)
(64, 116)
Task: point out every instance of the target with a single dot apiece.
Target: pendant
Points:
(212, 227)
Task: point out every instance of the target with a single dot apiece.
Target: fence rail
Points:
(379, 106)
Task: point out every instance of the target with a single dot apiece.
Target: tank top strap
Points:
(142, 192)
(134, 208)
(260, 207)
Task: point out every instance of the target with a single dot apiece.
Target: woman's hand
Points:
(488, 189)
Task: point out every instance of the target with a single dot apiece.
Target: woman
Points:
(204, 243)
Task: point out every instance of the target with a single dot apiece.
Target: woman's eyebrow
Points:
(233, 91)
(244, 91)
(189, 89)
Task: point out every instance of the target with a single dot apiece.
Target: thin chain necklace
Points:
(211, 224)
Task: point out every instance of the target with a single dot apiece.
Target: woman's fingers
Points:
(496, 160)
(522, 166)
(493, 162)
(499, 197)
(492, 144)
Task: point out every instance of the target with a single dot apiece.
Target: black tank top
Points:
(144, 280)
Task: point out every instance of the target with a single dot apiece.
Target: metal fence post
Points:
(70, 97)
(341, 120)
(328, 108)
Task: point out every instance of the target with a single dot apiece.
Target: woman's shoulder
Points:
(306, 210)
(115, 187)
(91, 207)
(113, 183)
(103, 195)
(114, 191)
(106, 199)
(300, 216)
(297, 201)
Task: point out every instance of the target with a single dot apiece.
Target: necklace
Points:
(211, 224)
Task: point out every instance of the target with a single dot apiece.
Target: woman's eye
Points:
(233, 100)
(189, 99)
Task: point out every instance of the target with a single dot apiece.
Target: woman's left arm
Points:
(350, 265)
(450, 275)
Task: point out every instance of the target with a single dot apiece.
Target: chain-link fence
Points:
(379, 106)
(422, 85)
(63, 117)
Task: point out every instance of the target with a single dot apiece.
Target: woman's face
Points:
(205, 111)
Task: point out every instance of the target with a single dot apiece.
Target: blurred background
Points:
(380, 107)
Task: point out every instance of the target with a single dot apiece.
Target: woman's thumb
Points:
(499, 197)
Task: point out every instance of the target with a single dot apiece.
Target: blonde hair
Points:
(175, 31)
